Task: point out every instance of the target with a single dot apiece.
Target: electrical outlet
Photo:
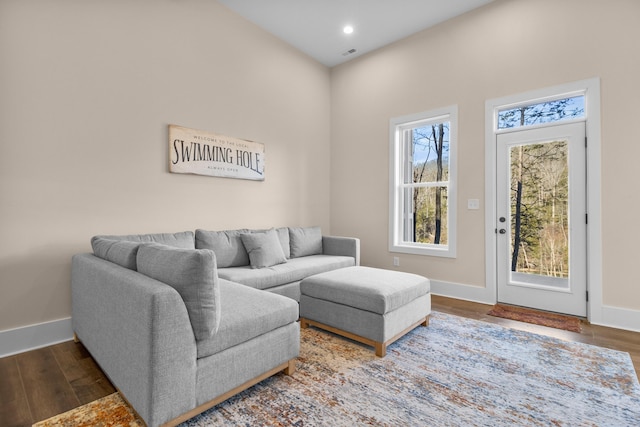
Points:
(473, 204)
(396, 261)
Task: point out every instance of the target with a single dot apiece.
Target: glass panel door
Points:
(542, 225)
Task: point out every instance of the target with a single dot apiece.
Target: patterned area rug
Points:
(537, 317)
(456, 372)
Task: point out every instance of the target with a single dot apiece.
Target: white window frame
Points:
(397, 126)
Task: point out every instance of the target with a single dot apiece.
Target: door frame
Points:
(590, 88)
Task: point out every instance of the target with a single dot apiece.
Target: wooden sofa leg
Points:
(289, 370)
(75, 338)
(426, 321)
(304, 324)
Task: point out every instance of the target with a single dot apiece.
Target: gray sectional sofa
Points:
(181, 322)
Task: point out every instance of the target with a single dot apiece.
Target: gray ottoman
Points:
(369, 305)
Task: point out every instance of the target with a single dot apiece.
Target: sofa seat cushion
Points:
(293, 270)
(247, 313)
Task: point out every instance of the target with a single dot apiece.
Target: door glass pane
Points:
(539, 203)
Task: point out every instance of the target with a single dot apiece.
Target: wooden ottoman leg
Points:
(291, 368)
(381, 349)
(304, 324)
(426, 321)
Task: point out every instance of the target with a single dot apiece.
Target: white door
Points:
(541, 224)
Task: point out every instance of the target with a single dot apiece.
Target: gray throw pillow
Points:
(193, 274)
(227, 245)
(121, 252)
(264, 248)
(305, 241)
(283, 236)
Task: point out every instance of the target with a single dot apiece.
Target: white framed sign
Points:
(205, 153)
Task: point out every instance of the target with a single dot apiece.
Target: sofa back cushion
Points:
(121, 252)
(283, 236)
(227, 245)
(193, 274)
(183, 239)
(305, 241)
(264, 248)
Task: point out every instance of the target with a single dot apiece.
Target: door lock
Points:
(502, 230)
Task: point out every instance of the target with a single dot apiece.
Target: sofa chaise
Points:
(181, 322)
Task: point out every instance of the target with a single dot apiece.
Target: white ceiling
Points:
(315, 26)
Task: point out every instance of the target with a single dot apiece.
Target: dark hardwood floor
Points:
(39, 384)
(42, 383)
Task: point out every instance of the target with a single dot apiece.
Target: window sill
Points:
(427, 250)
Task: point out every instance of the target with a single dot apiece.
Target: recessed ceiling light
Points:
(348, 29)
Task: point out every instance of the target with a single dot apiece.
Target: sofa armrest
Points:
(343, 246)
(139, 332)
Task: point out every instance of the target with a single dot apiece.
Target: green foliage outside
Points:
(542, 244)
(425, 216)
(430, 164)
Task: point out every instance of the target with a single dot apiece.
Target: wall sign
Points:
(205, 153)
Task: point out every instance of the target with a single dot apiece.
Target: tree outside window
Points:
(429, 163)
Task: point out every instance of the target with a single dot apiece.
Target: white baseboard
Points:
(620, 318)
(464, 292)
(613, 317)
(19, 340)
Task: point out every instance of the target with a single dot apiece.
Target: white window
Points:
(422, 212)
